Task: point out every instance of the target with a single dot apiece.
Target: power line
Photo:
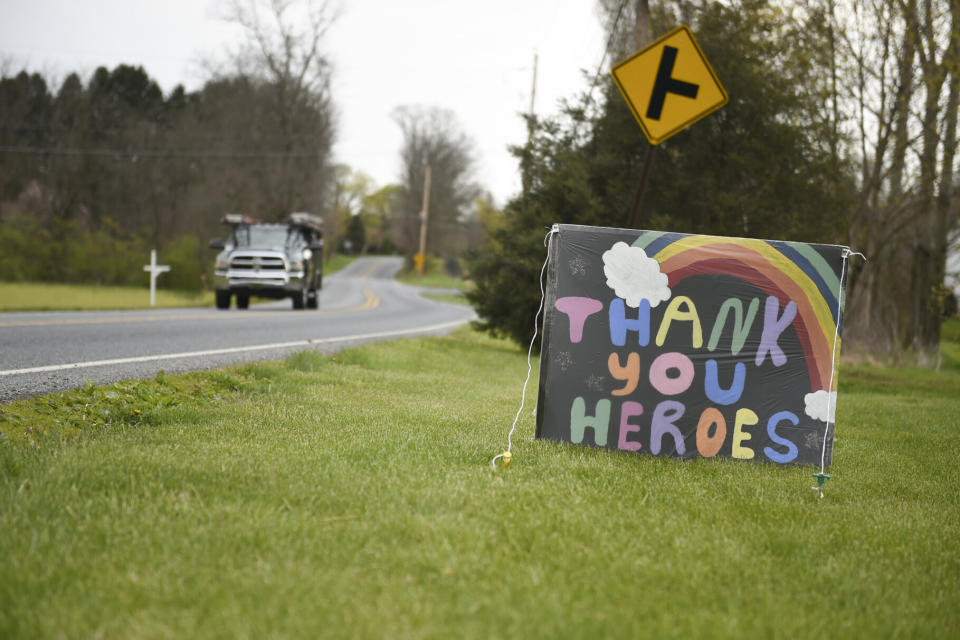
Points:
(54, 130)
(588, 99)
(157, 154)
(606, 51)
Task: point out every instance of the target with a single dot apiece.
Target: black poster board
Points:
(691, 345)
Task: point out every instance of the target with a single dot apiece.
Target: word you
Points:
(673, 373)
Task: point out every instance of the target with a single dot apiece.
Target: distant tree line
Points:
(841, 128)
(93, 174)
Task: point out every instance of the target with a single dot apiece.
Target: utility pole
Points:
(528, 150)
(533, 89)
(424, 217)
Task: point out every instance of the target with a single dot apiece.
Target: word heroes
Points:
(632, 430)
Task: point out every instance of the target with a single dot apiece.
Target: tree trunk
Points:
(642, 28)
(930, 232)
(871, 325)
(905, 84)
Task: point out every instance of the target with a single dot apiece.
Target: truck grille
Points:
(256, 263)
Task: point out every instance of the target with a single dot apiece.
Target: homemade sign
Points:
(691, 345)
(669, 85)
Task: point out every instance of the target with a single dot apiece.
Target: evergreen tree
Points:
(356, 235)
(758, 167)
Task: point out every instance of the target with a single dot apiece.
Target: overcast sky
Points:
(475, 58)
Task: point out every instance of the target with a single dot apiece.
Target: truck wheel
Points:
(313, 300)
(223, 299)
(243, 300)
(298, 300)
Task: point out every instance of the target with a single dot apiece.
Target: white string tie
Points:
(508, 454)
(822, 475)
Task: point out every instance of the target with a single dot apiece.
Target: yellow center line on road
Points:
(370, 271)
(371, 302)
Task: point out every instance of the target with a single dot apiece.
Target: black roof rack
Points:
(306, 220)
(236, 219)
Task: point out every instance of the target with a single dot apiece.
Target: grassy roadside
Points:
(446, 297)
(351, 496)
(45, 296)
(433, 279)
(337, 262)
(434, 276)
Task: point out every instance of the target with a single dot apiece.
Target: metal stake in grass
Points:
(821, 478)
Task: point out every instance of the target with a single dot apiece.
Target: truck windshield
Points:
(261, 237)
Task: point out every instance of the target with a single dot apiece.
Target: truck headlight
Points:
(298, 265)
(221, 264)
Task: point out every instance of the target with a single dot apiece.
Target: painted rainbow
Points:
(787, 270)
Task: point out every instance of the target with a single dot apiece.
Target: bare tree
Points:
(897, 56)
(432, 136)
(282, 54)
(938, 28)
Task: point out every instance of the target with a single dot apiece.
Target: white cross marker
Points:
(154, 269)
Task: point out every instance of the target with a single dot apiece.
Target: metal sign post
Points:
(154, 270)
(668, 86)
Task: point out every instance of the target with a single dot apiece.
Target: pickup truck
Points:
(270, 260)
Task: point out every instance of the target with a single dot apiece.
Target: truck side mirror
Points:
(217, 243)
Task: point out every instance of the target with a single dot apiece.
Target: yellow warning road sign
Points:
(669, 85)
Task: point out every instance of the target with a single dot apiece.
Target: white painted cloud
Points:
(817, 405)
(633, 276)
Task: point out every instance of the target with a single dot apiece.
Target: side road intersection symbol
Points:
(669, 85)
(665, 84)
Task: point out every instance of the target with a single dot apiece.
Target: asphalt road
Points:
(53, 351)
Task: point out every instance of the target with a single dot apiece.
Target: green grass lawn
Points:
(336, 262)
(352, 496)
(447, 297)
(44, 296)
(434, 276)
(433, 279)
